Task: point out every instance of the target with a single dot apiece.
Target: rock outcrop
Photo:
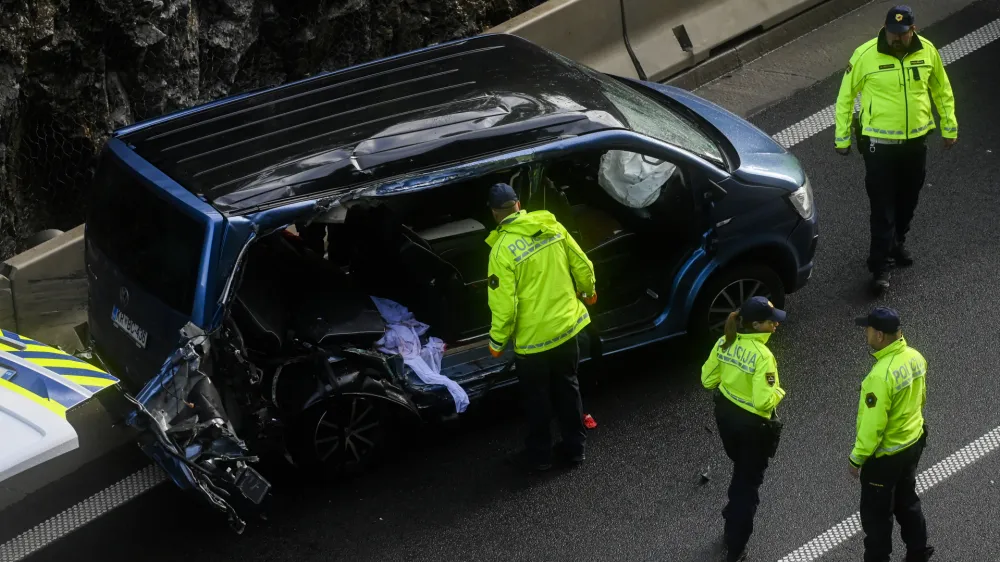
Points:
(73, 71)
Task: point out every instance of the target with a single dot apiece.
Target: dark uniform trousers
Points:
(888, 488)
(548, 383)
(894, 175)
(746, 440)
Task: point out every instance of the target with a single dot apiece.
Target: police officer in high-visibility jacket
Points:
(898, 75)
(744, 374)
(537, 276)
(890, 439)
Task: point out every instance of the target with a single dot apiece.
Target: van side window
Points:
(599, 195)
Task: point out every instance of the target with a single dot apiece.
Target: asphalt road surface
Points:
(448, 495)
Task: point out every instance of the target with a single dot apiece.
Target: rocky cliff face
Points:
(72, 71)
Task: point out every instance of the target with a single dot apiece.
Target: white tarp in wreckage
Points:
(402, 336)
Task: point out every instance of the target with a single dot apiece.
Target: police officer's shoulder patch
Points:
(770, 379)
(850, 67)
(871, 400)
(494, 281)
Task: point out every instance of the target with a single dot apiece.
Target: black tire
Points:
(342, 435)
(726, 291)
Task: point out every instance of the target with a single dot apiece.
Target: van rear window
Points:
(152, 243)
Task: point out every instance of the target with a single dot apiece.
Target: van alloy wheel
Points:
(730, 298)
(348, 433)
(726, 291)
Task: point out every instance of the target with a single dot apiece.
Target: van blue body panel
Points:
(551, 122)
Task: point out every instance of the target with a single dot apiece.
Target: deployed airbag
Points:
(632, 179)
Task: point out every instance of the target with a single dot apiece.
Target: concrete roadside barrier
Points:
(588, 31)
(669, 36)
(7, 319)
(666, 37)
(48, 291)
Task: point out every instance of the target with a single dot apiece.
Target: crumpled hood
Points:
(526, 224)
(762, 160)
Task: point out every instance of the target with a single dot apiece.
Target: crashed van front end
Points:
(187, 432)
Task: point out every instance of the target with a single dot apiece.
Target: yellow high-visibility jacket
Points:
(896, 94)
(746, 373)
(893, 395)
(535, 271)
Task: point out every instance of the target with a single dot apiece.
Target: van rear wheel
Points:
(727, 291)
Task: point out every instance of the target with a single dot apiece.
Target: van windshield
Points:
(150, 242)
(656, 120)
(652, 118)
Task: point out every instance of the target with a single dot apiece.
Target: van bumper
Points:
(804, 239)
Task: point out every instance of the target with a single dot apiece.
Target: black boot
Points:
(728, 556)
(880, 282)
(920, 556)
(528, 462)
(901, 256)
(568, 455)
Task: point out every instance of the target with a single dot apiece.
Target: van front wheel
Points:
(345, 434)
(727, 291)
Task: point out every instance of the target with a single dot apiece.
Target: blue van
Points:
(233, 249)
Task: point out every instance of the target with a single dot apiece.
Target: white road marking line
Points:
(927, 479)
(53, 529)
(826, 117)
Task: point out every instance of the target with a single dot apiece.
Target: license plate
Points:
(131, 329)
(253, 485)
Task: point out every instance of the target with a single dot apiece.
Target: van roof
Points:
(417, 111)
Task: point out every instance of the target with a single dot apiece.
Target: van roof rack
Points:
(449, 103)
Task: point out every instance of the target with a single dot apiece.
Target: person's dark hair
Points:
(733, 324)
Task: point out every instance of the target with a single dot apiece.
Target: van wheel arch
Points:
(340, 436)
(358, 421)
(722, 290)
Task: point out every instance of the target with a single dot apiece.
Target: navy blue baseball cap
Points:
(899, 20)
(502, 196)
(759, 309)
(883, 319)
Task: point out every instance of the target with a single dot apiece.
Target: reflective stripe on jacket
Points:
(746, 373)
(890, 412)
(536, 270)
(896, 94)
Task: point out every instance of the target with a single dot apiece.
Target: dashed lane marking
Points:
(826, 117)
(927, 479)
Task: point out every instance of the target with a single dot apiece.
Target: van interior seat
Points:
(285, 290)
(462, 243)
(447, 230)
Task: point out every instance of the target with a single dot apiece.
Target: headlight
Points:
(802, 200)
